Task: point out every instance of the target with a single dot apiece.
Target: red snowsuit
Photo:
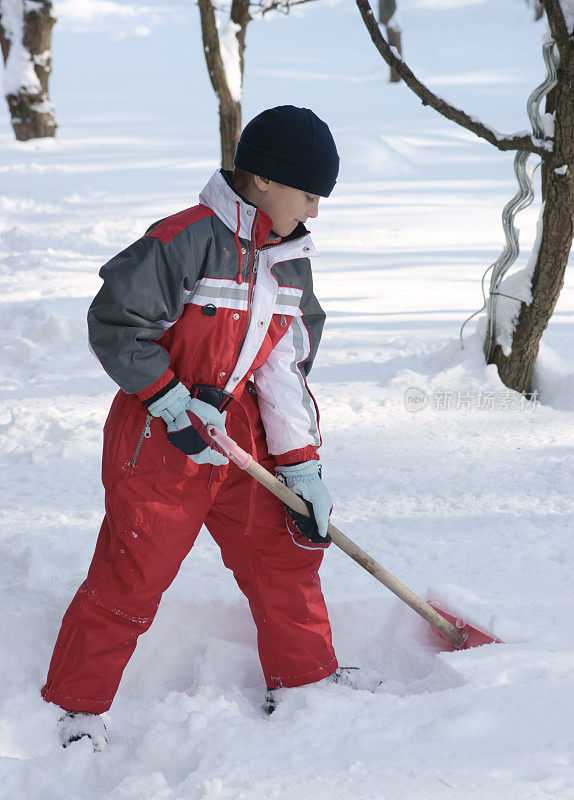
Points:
(257, 339)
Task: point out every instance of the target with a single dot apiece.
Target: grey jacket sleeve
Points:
(141, 297)
(314, 318)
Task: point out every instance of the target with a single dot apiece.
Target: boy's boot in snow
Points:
(74, 725)
(352, 677)
(367, 680)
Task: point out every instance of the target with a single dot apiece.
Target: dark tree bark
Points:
(31, 111)
(387, 10)
(516, 369)
(550, 108)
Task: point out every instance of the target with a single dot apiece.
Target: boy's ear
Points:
(262, 184)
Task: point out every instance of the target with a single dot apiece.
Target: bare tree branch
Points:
(502, 142)
(537, 7)
(278, 5)
(240, 15)
(557, 23)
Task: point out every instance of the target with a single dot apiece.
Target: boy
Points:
(210, 319)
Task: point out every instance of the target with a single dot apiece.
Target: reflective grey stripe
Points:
(144, 293)
(219, 291)
(288, 300)
(306, 399)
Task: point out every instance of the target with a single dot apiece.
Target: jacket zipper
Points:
(250, 297)
(252, 288)
(252, 272)
(145, 434)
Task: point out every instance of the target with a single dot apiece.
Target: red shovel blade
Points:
(473, 637)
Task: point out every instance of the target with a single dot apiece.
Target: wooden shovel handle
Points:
(243, 460)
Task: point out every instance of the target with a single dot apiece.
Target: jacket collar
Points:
(244, 219)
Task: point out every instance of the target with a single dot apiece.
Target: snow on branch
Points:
(557, 11)
(394, 60)
(211, 46)
(231, 58)
(19, 75)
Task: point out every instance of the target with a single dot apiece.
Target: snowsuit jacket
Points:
(205, 296)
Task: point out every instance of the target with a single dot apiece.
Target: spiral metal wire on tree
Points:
(521, 200)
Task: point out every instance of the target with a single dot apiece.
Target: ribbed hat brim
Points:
(260, 162)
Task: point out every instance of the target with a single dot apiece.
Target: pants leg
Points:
(155, 506)
(154, 511)
(279, 578)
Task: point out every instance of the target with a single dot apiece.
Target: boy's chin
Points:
(285, 230)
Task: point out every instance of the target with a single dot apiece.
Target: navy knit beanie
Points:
(291, 146)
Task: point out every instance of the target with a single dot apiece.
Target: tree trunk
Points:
(557, 232)
(229, 130)
(550, 108)
(25, 45)
(516, 369)
(229, 108)
(388, 17)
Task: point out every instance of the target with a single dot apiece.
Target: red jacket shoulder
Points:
(169, 227)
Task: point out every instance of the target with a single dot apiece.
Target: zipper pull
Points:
(145, 434)
(283, 321)
(147, 429)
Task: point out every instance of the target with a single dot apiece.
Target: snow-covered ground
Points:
(468, 500)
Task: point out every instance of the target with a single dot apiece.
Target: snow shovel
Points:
(460, 635)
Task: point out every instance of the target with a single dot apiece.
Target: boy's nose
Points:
(314, 208)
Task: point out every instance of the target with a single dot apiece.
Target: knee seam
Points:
(118, 611)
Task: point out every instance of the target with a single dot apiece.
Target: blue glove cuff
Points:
(172, 404)
(300, 473)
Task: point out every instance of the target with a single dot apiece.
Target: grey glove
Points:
(187, 421)
(305, 480)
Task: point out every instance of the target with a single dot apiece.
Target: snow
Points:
(19, 72)
(43, 58)
(468, 500)
(394, 22)
(548, 124)
(568, 11)
(229, 48)
(514, 290)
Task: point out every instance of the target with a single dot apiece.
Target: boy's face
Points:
(286, 206)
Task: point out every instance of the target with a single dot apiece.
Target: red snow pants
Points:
(156, 502)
